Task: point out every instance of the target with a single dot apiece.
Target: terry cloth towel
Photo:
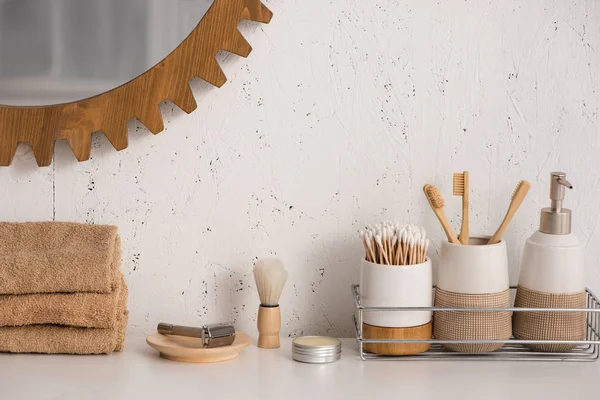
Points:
(57, 257)
(56, 339)
(86, 310)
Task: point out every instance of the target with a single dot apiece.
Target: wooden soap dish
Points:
(397, 349)
(189, 349)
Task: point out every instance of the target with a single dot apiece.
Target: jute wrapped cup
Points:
(473, 276)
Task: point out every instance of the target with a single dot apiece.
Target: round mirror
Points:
(69, 68)
(59, 51)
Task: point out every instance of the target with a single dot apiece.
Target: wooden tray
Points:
(188, 349)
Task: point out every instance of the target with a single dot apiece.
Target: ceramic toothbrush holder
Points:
(396, 286)
(473, 276)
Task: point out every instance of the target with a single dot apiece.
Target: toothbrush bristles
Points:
(512, 195)
(522, 184)
(458, 184)
(434, 196)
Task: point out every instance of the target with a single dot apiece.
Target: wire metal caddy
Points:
(512, 349)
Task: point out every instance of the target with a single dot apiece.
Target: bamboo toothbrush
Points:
(460, 187)
(437, 205)
(270, 277)
(517, 198)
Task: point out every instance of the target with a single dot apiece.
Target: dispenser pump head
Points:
(555, 219)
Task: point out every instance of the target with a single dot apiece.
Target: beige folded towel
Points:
(53, 257)
(86, 310)
(55, 339)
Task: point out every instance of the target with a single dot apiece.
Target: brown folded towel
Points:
(54, 257)
(86, 310)
(54, 339)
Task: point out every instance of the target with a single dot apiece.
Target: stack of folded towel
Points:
(61, 288)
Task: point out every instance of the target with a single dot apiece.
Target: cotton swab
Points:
(394, 243)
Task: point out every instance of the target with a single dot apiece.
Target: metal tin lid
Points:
(316, 349)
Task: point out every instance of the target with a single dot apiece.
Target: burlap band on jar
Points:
(549, 325)
(472, 325)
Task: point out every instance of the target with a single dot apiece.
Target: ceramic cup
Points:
(478, 268)
(473, 276)
(396, 286)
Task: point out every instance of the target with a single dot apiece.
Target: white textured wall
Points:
(337, 119)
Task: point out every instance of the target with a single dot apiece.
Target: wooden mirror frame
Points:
(109, 112)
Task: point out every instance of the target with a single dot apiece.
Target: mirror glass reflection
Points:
(58, 51)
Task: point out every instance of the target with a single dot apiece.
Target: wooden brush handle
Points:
(439, 212)
(464, 228)
(515, 203)
(502, 228)
(269, 325)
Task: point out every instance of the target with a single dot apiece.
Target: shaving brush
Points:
(270, 277)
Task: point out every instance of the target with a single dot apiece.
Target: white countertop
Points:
(139, 373)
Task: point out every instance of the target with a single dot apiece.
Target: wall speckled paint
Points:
(337, 119)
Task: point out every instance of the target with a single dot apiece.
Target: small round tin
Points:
(316, 349)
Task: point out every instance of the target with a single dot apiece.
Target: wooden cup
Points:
(397, 349)
(269, 325)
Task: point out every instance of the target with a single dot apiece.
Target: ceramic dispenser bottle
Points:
(552, 276)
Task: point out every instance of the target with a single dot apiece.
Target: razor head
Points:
(218, 335)
(215, 335)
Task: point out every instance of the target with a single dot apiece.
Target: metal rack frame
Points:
(512, 349)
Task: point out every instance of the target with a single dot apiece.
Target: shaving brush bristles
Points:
(270, 278)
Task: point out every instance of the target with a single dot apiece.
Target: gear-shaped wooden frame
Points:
(140, 97)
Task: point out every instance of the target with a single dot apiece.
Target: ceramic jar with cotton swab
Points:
(396, 273)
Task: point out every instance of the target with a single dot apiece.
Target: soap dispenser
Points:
(552, 276)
